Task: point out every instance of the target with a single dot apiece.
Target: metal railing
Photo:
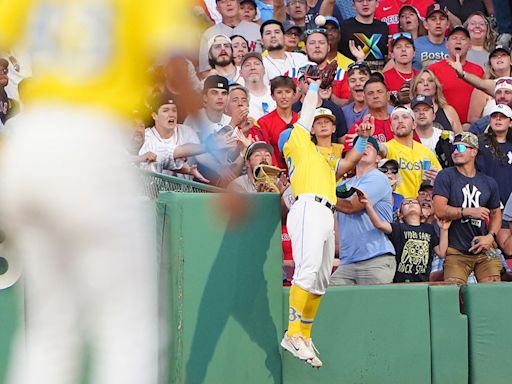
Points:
(154, 183)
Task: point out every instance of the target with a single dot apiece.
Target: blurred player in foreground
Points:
(311, 218)
(69, 199)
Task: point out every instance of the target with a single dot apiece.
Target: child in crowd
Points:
(414, 242)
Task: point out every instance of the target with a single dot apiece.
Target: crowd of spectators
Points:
(434, 78)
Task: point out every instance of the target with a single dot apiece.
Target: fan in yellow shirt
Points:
(409, 154)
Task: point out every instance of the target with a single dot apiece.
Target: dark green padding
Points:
(9, 320)
(449, 336)
(489, 309)
(224, 289)
(368, 335)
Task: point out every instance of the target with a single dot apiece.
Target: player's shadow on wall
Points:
(237, 288)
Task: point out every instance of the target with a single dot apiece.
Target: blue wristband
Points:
(360, 144)
(314, 87)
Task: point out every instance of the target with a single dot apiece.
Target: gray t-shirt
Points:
(247, 29)
(478, 57)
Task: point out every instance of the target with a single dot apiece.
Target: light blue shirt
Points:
(428, 53)
(359, 239)
(266, 10)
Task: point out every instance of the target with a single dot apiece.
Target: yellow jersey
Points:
(309, 171)
(332, 154)
(409, 161)
(95, 52)
(342, 60)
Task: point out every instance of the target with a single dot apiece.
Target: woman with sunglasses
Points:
(426, 83)
(499, 65)
(495, 154)
(482, 38)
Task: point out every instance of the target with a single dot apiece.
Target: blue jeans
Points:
(503, 13)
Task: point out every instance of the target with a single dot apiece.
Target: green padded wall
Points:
(368, 335)
(10, 313)
(449, 336)
(224, 288)
(489, 309)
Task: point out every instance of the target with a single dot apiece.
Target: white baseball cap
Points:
(503, 109)
(324, 112)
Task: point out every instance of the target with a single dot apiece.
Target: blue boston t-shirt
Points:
(427, 52)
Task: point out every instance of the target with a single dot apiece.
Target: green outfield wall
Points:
(224, 311)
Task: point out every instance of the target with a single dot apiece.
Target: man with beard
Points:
(409, 153)
(456, 91)
(276, 60)
(220, 58)
(232, 24)
(317, 48)
(469, 199)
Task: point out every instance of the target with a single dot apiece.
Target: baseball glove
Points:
(328, 74)
(266, 177)
(313, 72)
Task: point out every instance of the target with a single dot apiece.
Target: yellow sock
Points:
(298, 299)
(309, 314)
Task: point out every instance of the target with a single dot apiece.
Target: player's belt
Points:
(318, 199)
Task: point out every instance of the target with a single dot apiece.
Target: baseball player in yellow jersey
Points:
(311, 221)
(68, 196)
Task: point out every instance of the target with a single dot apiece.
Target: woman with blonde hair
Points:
(499, 66)
(482, 38)
(426, 83)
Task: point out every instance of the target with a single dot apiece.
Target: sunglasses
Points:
(394, 171)
(506, 81)
(315, 30)
(361, 65)
(410, 201)
(461, 148)
(399, 35)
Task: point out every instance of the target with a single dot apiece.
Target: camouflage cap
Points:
(467, 138)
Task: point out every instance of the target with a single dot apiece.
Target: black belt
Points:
(323, 201)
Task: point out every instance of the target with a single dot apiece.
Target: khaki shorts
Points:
(459, 265)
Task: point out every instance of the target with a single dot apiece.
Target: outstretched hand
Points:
(367, 127)
(363, 199)
(356, 51)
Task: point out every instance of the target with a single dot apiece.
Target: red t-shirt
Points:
(273, 125)
(395, 79)
(382, 133)
(456, 91)
(387, 11)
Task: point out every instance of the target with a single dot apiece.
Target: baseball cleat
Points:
(296, 345)
(315, 362)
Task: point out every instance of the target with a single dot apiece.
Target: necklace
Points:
(411, 75)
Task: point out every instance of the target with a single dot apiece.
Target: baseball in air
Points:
(320, 20)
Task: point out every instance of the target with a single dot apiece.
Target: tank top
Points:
(442, 119)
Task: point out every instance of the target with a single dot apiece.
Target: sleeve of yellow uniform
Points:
(13, 19)
(173, 26)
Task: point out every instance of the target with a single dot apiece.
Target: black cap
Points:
(249, 1)
(421, 99)
(459, 28)
(361, 65)
(215, 81)
(159, 99)
(433, 8)
(499, 48)
(425, 185)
